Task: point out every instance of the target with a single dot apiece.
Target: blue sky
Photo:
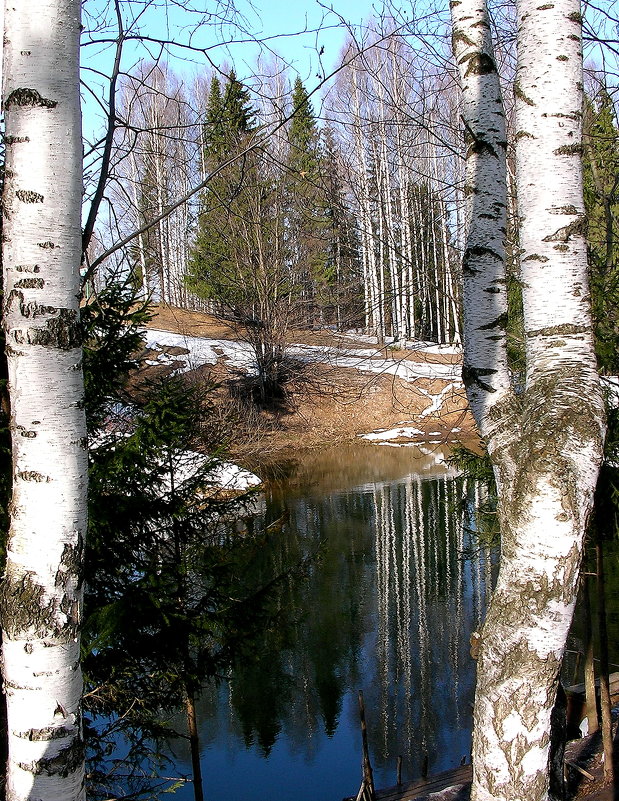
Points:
(307, 35)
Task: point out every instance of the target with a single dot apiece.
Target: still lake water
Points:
(396, 581)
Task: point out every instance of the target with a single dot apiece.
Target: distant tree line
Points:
(346, 219)
(352, 217)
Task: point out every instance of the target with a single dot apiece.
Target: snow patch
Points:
(222, 475)
(392, 433)
(201, 350)
(230, 476)
(369, 361)
(240, 356)
(409, 344)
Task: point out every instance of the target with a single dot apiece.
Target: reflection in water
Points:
(394, 584)
(427, 605)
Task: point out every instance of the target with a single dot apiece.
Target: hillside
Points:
(345, 386)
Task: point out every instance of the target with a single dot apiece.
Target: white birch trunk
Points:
(371, 286)
(485, 371)
(546, 445)
(41, 594)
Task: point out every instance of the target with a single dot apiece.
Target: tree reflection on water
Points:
(393, 581)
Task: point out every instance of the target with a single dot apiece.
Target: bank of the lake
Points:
(345, 386)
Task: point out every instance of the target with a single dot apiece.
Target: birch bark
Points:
(546, 442)
(41, 591)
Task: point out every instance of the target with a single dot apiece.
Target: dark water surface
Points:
(395, 583)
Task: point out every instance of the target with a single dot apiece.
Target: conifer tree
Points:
(343, 278)
(229, 121)
(214, 131)
(601, 193)
(239, 260)
(303, 135)
(238, 115)
(307, 223)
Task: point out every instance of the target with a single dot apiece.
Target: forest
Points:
(450, 179)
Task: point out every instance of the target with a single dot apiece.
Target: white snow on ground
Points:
(408, 344)
(201, 350)
(230, 476)
(239, 355)
(367, 361)
(436, 401)
(223, 475)
(385, 435)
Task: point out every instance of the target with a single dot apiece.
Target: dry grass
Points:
(324, 404)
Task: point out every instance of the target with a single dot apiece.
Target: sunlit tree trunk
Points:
(546, 443)
(42, 588)
(373, 316)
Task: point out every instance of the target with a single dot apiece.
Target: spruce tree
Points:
(307, 224)
(601, 193)
(229, 122)
(238, 115)
(239, 259)
(214, 132)
(343, 280)
(303, 136)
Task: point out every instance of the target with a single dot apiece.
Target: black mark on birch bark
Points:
(32, 475)
(561, 330)
(16, 140)
(42, 735)
(519, 93)
(479, 64)
(499, 322)
(568, 150)
(28, 310)
(475, 252)
(577, 227)
(27, 196)
(459, 36)
(22, 604)
(70, 562)
(472, 376)
(11, 685)
(26, 433)
(46, 245)
(29, 97)
(27, 268)
(62, 332)
(563, 210)
(66, 761)
(30, 283)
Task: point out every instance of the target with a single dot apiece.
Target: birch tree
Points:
(41, 591)
(545, 442)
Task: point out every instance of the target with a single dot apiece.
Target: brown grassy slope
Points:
(327, 404)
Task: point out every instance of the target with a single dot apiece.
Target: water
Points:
(396, 580)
